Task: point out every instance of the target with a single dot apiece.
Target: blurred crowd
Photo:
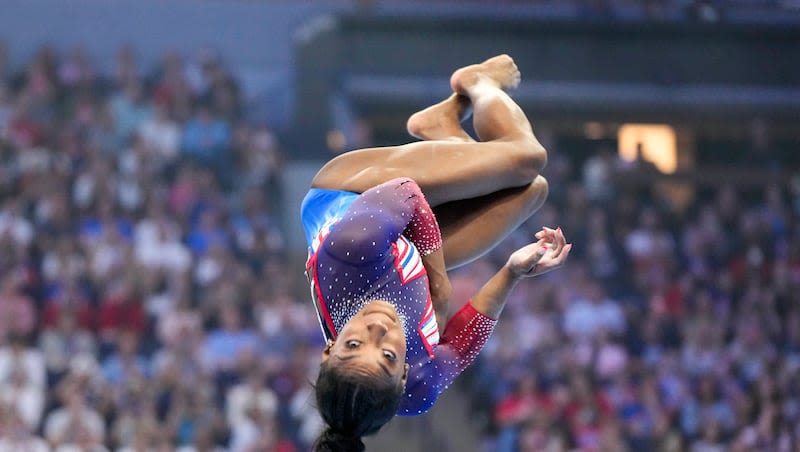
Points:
(705, 11)
(144, 303)
(675, 327)
(147, 300)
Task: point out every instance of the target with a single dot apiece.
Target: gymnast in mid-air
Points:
(385, 224)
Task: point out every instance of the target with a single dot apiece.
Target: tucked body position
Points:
(384, 225)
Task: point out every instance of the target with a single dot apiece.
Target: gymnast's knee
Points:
(537, 193)
(537, 154)
(540, 188)
(530, 159)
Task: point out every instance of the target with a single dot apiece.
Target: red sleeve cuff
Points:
(462, 319)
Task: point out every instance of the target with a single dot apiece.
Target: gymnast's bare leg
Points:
(481, 190)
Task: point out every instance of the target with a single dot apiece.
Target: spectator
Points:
(586, 317)
(255, 432)
(136, 418)
(157, 243)
(17, 356)
(252, 395)
(74, 425)
(588, 413)
(209, 233)
(64, 339)
(260, 160)
(205, 138)
(125, 362)
(599, 174)
(17, 311)
(13, 224)
(519, 408)
(195, 419)
(225, 345)
(710, 440)
(16, 436)
(129, 110)
(75, 71)
(255, 230)
(160, 134)
(540, 434)
(20, 393)
(121, 310)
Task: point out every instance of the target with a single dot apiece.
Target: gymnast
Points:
(385, 224)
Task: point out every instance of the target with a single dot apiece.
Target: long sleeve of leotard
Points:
(464, 337)
(377, 219)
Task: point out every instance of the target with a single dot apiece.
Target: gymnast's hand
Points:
(548, 253)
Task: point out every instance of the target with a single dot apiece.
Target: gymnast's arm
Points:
(439, 283)
(423, 230)
(548, 253)
(469, 328)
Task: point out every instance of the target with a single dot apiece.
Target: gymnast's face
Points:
(371, 342)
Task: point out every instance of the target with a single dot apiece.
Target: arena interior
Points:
(153, 155)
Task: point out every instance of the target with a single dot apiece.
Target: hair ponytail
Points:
(332, 441)
(352, 405)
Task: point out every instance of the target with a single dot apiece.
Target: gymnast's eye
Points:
(388, 354)
(352, 343)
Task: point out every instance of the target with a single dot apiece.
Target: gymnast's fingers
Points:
(561, 237)
(563, 255)
(558, 243)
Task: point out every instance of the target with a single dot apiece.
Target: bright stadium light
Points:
(657, 143)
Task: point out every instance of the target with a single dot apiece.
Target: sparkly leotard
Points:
(368, 247)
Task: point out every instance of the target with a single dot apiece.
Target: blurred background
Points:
(153, 155)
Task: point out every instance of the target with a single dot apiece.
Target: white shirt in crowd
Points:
(244, 396)
(158, 246)
(16, 227)
(60, 421)
(161, 135)
(27, 399)
(80, 448)
(27, 444)
(30, 360)
(584, 319)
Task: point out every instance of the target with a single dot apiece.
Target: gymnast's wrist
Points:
(430, 250)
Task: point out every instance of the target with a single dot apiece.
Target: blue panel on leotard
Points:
(322, 206)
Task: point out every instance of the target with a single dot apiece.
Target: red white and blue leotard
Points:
(368, 247)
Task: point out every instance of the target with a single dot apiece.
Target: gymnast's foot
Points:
(499, 71)
(441, 121)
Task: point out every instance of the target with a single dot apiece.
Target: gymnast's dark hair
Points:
(352, 405)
